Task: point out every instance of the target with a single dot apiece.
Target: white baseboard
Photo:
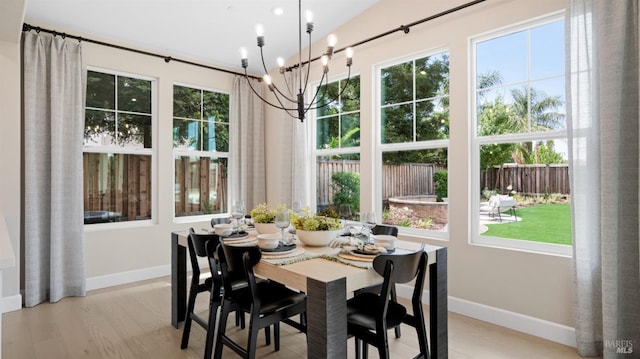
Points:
(127, 277)
(9, 304)
(523, 323)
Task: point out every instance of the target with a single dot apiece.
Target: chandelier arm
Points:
(264, 66)
(284, 108)
(339, 94)
(284, 77)
(282, 94)
(265, 100)
(315, 96)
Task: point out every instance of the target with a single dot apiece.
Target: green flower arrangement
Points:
(309, 222)
(263, 214)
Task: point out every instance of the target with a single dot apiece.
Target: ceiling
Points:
(205, 31)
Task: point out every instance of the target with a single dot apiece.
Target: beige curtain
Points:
(54, 85)
(603, 122)
(247, 144)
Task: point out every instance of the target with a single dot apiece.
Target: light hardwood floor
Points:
(133, 321)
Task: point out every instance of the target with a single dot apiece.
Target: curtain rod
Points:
(167, 59)
(403, 28)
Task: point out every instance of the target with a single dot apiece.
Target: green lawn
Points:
(549, 223)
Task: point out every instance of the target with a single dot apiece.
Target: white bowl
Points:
(223, 229)
(265, 228)
(384, 240)
(317, 238)
(268, 241)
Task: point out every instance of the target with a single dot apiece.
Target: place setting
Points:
(279, 245)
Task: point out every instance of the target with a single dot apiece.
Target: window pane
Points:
(134, 95)
(338, 183)
(525, 185)
(397, 124)
(432, 121)
(100, 128)
(216, 136)
(117, 187)
(432, 76)
(101, 90)
(200, 185)
(506, 54)
(327, 132)
(414, 188)
(328, 101)
(545, 40)
(397, 83)
(216, 106)
(187, 102)
(186, 134)
(351, 94)
(350, 130)
(134, 131)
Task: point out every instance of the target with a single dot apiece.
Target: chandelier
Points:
(289, 101)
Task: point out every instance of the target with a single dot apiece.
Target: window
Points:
(337, 144)
(414, 140)
(118, 144)
(520, 138)
(201, 150)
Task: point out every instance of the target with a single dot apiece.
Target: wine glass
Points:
(369, 221)
(282, 222)
(237, 212)
(344, 211)
(296, 207)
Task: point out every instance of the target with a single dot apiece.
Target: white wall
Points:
(536, 286)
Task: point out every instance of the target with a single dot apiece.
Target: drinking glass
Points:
(237, 212)
(344, 211)
(368, 220)
(282, 222)
(296, 207)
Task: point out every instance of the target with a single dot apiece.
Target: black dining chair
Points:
(390, 231)
(201, 283)
(370, 315)
(266, 302)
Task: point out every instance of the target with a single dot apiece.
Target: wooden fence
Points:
(527, 179)
(408, 179)
(107, 196)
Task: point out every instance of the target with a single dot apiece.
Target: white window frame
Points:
(379, 147)
(474, 201)
(312, 126)
(198, 153)
(153, 152)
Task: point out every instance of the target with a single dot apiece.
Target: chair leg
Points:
(357, 345)
(187, 318)
(211, 325)
(253, 335)
(395, 299)
(276, 336)
(421, 330)
(222, 327)
(267, 335)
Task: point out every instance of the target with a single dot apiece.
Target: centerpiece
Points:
(264, 218)
(316, 230)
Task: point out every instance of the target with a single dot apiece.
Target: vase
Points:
(317, 238)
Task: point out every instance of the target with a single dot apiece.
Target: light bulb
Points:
(280, 61)
(349, 52)
(267, 79)
(325, 60)
(259, 30)
(332, 40)
(309, 16)
(243, 53)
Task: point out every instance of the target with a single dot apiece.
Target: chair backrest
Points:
(236, 267)
(405, 266)
(385, 229)
(197, 247)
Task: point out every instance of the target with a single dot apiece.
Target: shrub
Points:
(440, 182)
(346, 189)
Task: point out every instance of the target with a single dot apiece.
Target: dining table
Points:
(328, 279)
